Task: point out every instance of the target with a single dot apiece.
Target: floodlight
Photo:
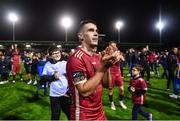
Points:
(66, 22)
(13, 17)
(119, 24)
(160, 25)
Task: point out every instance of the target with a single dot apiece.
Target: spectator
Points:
(171, 66)
(4, 68)
(40, 66)
(55, 72)
(177, 78)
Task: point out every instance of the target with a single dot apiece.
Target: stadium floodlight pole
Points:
(13, 18)
(66, 22)
(119, 25)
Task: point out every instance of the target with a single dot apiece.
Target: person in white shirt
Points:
(55, 72)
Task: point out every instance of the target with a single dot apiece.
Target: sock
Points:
(20, 75)
(111, 98)
(121, 97)
(14, 77)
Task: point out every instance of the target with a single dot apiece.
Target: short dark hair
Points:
(82, 23)
(110, 42)
(52, 49)
(42, 55)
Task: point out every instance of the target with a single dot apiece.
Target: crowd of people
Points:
(76, 78)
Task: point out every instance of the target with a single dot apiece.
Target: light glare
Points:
(66, 22)
(13, 17)
(28, 46)
(160, 25)
(119, 25)
(59, 46)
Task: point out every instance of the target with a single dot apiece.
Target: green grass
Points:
(158, 102)
(17, 102)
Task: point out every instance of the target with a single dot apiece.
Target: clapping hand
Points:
(109, 57)
(132, 89)
(56, 75)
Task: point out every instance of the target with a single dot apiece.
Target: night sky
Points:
(39, 19)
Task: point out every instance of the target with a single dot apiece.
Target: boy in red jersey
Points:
(138, 87)
(85, 72)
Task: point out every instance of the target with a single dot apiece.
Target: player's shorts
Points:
(116, 80)
(28, 69)
(34, 71)
(16, 68)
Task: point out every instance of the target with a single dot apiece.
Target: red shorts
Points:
(116, 80)
(16, 68)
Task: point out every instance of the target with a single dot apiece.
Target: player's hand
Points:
(56, 75)
(109, 50)
(120, 57)
(109, 57)
(115, 52)
(132, 89)
(106, 58)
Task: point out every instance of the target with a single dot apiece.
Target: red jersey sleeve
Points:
(76, 71)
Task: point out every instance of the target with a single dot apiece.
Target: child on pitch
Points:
(40, 66)
(138, 87)
(54, 72)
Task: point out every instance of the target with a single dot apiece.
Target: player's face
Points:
(175, 50)
(114, 46)
(90, 34)
(135, 72)
(56, 55)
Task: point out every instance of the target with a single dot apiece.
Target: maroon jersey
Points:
(80, 67)
(138, 84)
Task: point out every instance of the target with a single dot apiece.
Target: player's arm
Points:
(107, 78)
(20, 58)
(121, 57)
(89, 86)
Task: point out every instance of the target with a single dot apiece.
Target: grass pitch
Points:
(17, 102)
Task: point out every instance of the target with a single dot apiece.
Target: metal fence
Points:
(43, 45)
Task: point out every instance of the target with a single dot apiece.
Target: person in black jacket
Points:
(144, 63)
(4, 68)
(171, 66)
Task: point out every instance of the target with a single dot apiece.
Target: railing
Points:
(72, 44)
